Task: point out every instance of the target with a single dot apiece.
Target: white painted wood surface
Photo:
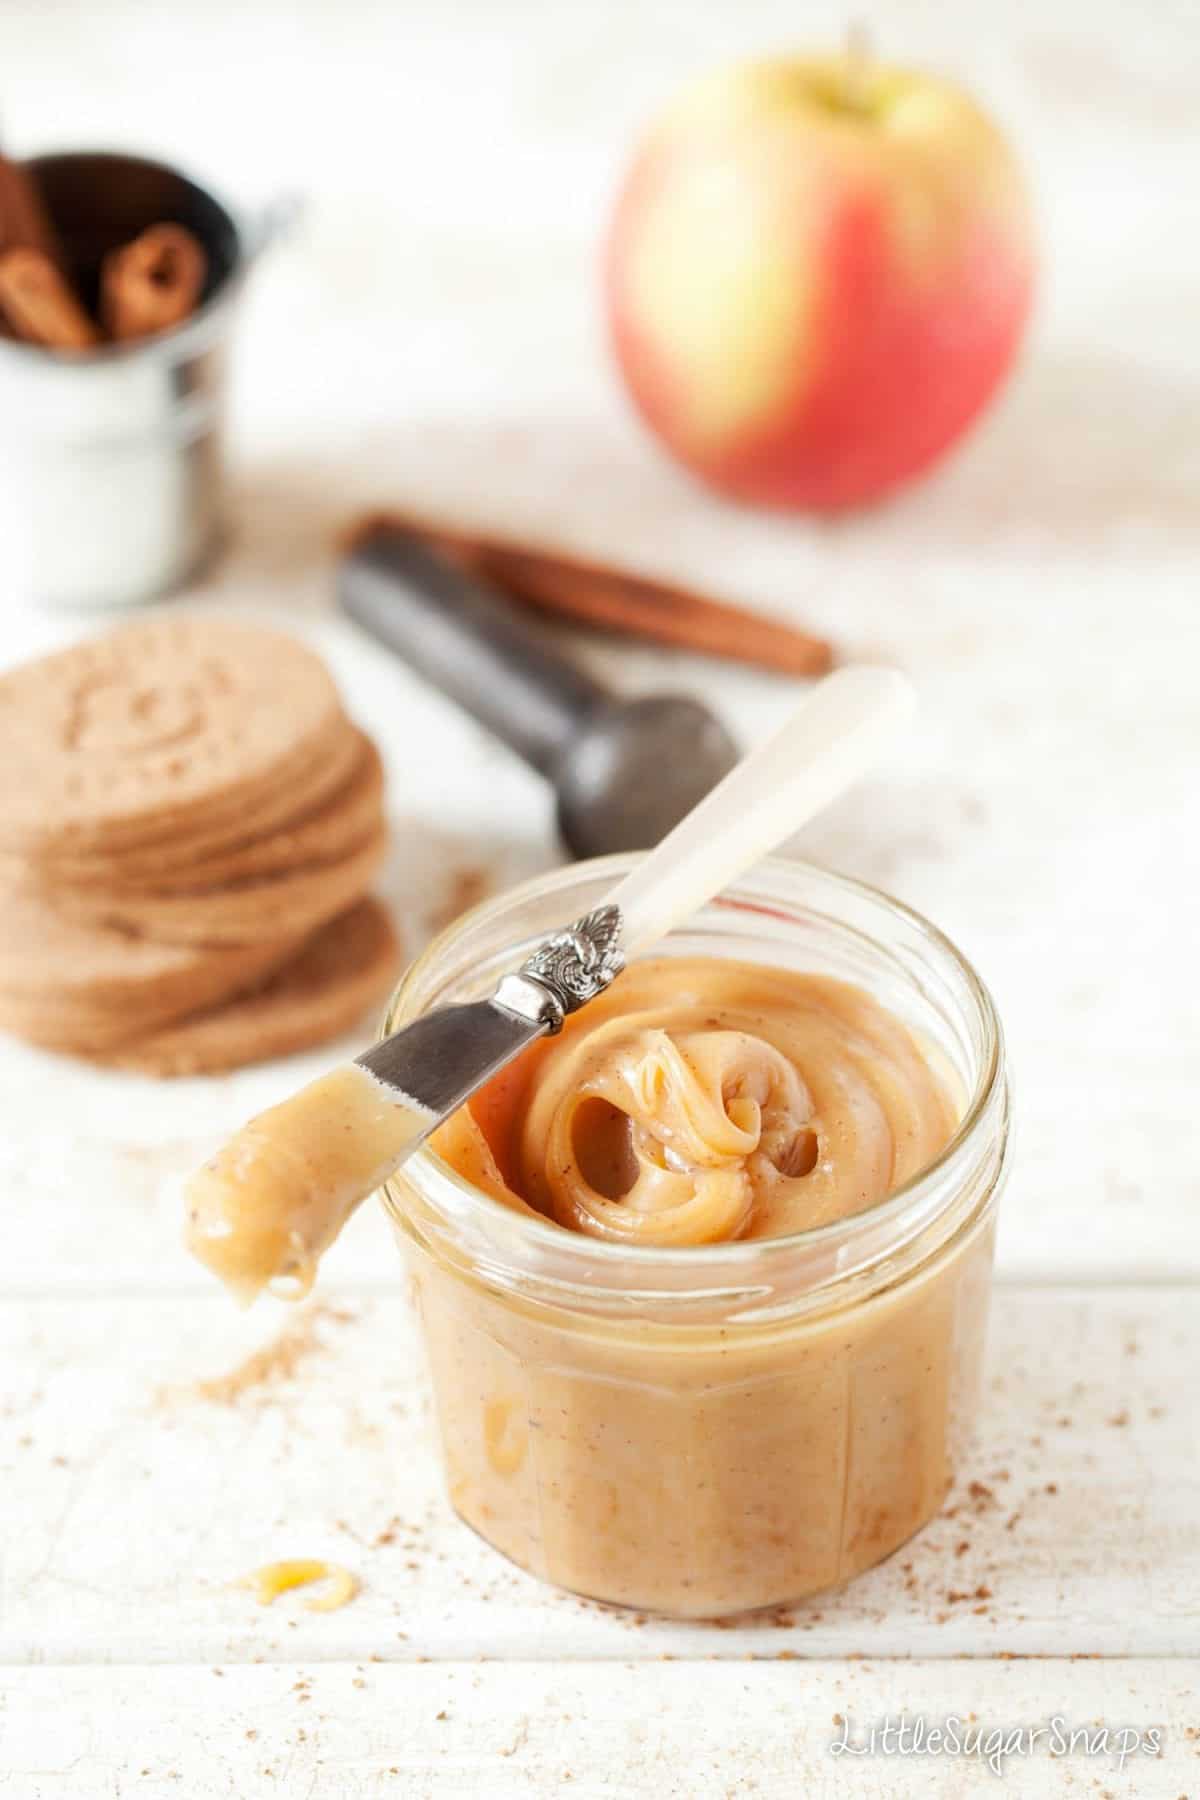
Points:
(136, 1504)
(592, 1731)
(432, 336)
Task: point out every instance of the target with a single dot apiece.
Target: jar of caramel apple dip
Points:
(704, 1279)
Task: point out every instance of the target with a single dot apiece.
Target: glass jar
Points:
(712, 1429)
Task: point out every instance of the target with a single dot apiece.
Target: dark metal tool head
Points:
(634, 768)
(624, 771)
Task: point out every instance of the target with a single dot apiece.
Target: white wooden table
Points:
(432, 337)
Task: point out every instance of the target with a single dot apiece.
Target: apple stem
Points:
(858, 66)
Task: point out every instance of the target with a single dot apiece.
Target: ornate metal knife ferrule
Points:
(566, 971)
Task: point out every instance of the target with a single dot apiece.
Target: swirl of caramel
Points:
(700, 1101)
(660, 1140)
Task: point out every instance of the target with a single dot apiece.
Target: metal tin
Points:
(113, 459)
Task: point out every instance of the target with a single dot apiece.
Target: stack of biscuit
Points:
(189, 826)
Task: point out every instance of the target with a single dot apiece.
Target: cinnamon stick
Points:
(151, 284)
(39, 304)
(24, 221)
(617, 600)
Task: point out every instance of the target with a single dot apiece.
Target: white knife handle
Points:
(834, 738)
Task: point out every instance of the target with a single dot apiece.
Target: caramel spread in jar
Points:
(700, 1101)
(756, 1428)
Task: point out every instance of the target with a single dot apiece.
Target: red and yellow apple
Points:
(818, 272)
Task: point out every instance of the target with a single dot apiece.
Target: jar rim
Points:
(739, 1257)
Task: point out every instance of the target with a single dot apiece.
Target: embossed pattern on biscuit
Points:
(188, 812)
(161, 721)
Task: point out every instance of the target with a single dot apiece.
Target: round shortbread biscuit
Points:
(166, 726)
(168, 862)
(66, 983)
(344, 969)
(288, 905)
(325, 833)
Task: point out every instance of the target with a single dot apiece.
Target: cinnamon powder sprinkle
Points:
(278, 1361)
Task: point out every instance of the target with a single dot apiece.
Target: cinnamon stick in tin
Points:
(151, 284)
(39, 305)
(24, 221)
